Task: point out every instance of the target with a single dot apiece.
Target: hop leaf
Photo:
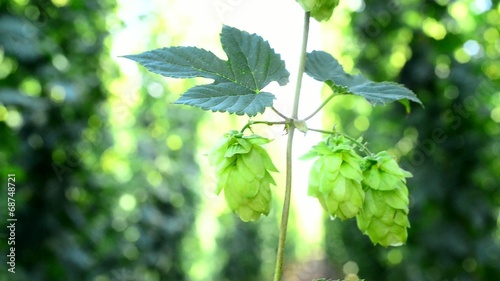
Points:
(243, 168)
(335, 178)
(237, 83)
(321, 10)
(384, 216)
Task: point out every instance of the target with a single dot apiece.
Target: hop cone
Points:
(384, 217)
(335, 178)
(320, 9)
(243, 167)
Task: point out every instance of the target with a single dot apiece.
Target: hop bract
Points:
(243, 168)
(384, 217)
(321, 10)
(335, 178)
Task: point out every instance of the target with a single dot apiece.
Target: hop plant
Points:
(321, 10)
(243, 169)
(384, 216)
(335, 178)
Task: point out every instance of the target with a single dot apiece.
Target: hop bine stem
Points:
(278, 272)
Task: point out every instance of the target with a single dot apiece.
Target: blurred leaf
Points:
(251, 66)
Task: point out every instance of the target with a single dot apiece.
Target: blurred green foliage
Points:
(447, 52)
(103, 191)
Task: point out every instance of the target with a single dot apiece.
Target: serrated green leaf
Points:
(252, 64)
(380, 93)
(227, 97)
(323, 67)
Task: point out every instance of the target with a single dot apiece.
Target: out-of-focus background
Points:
(112, 181)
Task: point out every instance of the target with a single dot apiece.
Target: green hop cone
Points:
(321, 10)
(384, 217)
(243, 168)
(335, 178)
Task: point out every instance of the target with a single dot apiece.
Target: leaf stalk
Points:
(321, 106)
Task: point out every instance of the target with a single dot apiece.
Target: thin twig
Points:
(279, 113)
(320, 107)
(268, 123)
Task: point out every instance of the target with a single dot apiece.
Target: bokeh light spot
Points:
(434, 29)
(132, 234)
(481, 6)
(14, 119)
(127, 202)
(356, 5)
(458, 10)
(31, 87)
(60, 62)
(398, 59)
(119, 224)
(361, 123)
(469, 264)
(35, 141)
(350, 267)
(60, 3)
(125, 142)
(492, 70)
(394, 256)
(21, 2)
(95, 121)
(57, 94)
(174, 142)
(73, 194)
(451, 92)
(155, 90)
(442, 2)
(461, 56)
(442, 71)
(58, 156)
(3, 113)
(154, 178)
(495, 114)
(177, 200)
(7, 66)
(472, 48)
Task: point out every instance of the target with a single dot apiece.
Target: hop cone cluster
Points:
(384, 216)
(335, 178)
(243, 168)
(320, 9)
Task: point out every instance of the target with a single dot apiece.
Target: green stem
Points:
(302, 66)
(320, 107)
(278, 272)
(268, 123)
(279, 113)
